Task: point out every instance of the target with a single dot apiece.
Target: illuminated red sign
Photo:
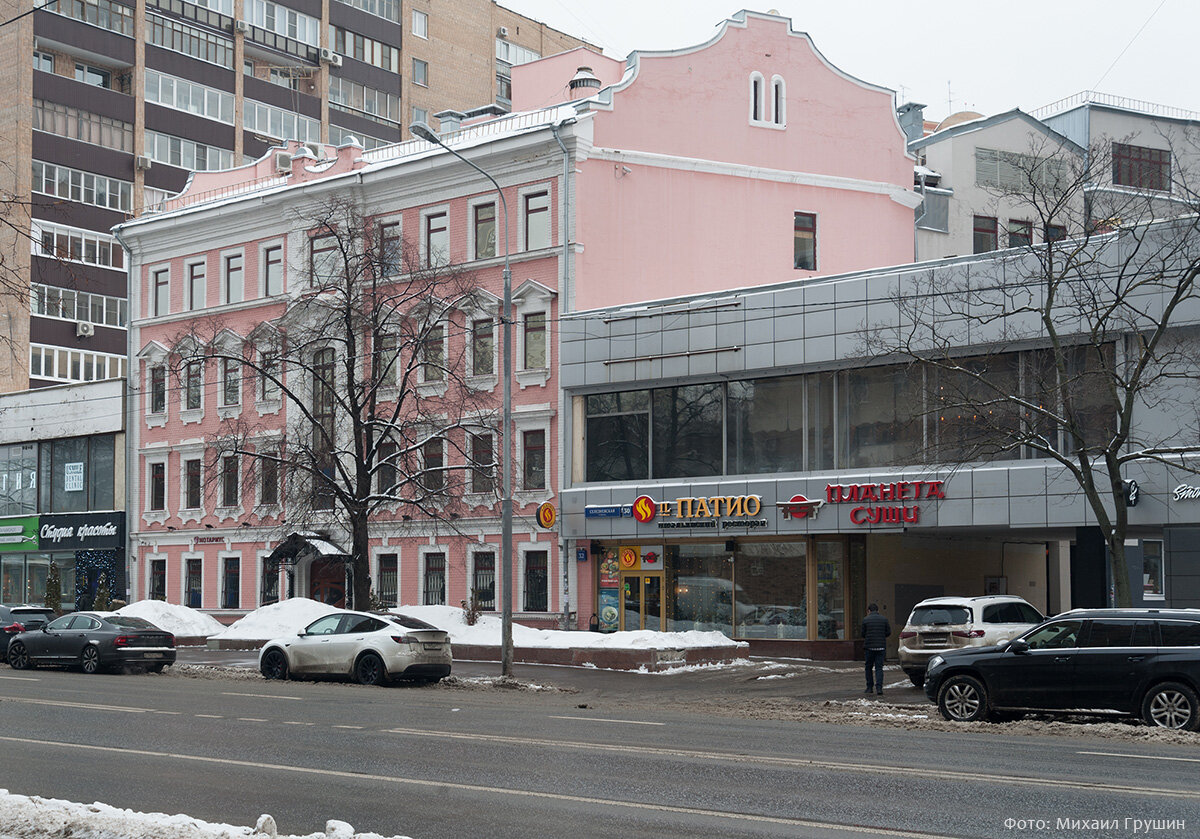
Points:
(872, 500)
(645, 508)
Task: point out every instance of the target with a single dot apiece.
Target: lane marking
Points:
(265, 696)
(803, 763)
(355, 727)
(606, 803)
(90, 706)
(1142, 757)
(250, 719)
(20, 678)
(297, 722)
(170, 713)
(209, 716)
(601, 719)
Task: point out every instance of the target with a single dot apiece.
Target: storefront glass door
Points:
(642, 601)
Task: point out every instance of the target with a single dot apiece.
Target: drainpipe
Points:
(130, 420)
(563, 229)
(917, 222)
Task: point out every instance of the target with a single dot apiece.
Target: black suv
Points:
(1144, 662)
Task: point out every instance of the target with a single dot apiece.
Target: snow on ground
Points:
(31, 817)
(178, 620)
(287, 617)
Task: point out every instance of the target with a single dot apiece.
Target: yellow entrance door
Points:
(642, 602)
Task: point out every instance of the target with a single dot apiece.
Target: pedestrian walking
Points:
(875, 631)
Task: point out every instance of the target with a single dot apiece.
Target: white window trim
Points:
(778, 120)
(483, 201)
(531, 189)
(263, 247)
(423, 244)
(221, 557)
(437, 387)
(260, 565)
(531, 418)
(190, 514)
(472, 552)
(263, 405)
(423, 552)
(157, 419)
(149, 462)
(398, 220)
(148, 560)
(480, 499)
(531, 302)
(193, 415)
(482, 381)
(374, 568)
(756, 76)
(222, 278)
(188, 264)
(183, 560)
(232, 409)
(268, 445)
(415, 33)
(425, 83)
(151, 273)
(223, 512)
(523, 549)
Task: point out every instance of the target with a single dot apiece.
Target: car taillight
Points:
(402, 639)
(122, 641)
(170, 640)
(14, 628)
(908, 635)
(967, 633)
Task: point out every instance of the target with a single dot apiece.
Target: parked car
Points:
(948, 623)
(1144, 662)
(92, 642)
(372, 647)
(16, 619)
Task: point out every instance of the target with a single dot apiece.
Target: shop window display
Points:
(771, 587)
(700, 590)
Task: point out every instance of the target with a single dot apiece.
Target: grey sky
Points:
(983, 57)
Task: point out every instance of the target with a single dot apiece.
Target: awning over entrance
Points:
(303, 545)
(326, 565)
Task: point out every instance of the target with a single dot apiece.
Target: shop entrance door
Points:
(642, 602)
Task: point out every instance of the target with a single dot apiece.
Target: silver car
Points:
(372, 647)
(950, 623)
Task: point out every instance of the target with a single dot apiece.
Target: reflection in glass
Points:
(699, 588)
(771, 581)
(831, 607)
(765, 426)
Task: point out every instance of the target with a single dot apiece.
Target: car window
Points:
(939, 616)
(1144, 635)
(327, 625)
(1054, 636)
(361, 623)
(83, 622)
(995, 613)
(61, 623)
(130, 622)
(1110, 633)
(1179, 633)
(1027, 614)
(410, 623)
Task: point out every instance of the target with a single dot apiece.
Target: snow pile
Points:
(178, 620)
(486, 632)
(31, 817)
(287, 617)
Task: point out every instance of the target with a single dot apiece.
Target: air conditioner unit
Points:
(317, 150)
(142, 162)
(330, 57)
(502, 31)
(241, 26)
(283, 162)
(83, 329)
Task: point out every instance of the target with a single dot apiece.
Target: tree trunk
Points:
(360, 567)
(1123, 598)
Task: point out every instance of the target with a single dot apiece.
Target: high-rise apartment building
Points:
(108, 106)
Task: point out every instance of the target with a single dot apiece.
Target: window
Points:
(74, 244)
(1055, 636)
(435, 579)
(512, 55)
(191, 97)
(618, 436)
(283, 21)
(84, 187)
(437, 240)
(386, 470)
(231, 382)
(805, 248)
(485, 230)
(1152, 570)
(391, 248)
(229, 480)
(1020, 233)
(273, 270)
(483, 469)
(231, 583)
(177, 36)
(85, 126)
(158, 579)
(196, 281)
(48, 362)
(324, 259)
(1141, 167)
(533, 460)
(78, 474)
(386, 9)
(158, 486)
(276, 122)
(757, 98)
(388, 590)
(231, 278)
(535, 341)
(386, 363)
(158, 389)
(778, 102)
(43, 61)
(420, 72)
(161, 294)
(483, 347)
(193, 385)
(1014, 172)
(191, 484)
(364, 49)
(1180, 633)
(269, 592)
(374, 104)
(483, 580)
(433, 355)
(186, 154)
(268, 479)
(115, 17)
(69, 304)
(985, 239)
(433, 478)
(1055, 232)
(192, 592)
(420, 24)
(537, 579)
(537, 221)
(268, 375)
(420, 114)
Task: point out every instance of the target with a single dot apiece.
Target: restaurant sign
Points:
(885, 503)
(718, 511)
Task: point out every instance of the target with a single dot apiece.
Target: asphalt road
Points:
(436, 762)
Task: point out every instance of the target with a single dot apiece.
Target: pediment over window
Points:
(154, 352)
(531, 291)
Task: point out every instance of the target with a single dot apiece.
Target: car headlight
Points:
(934, 663)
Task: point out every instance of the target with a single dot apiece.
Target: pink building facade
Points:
(743, 161)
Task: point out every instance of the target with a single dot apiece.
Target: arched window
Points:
(778, 101)
(758, 93)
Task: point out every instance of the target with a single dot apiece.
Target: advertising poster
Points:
(609, 591)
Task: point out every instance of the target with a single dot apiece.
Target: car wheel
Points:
(370, 670)
(962, 699)
(18, 658)
(1172, 705)
(89, 660)
(274, 665)
(917, 678)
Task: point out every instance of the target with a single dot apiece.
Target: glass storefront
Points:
(23, 578)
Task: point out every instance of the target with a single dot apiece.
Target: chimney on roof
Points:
(449, 120)
(912, 120)
(583, 80)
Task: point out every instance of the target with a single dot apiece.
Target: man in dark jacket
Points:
(875, 631)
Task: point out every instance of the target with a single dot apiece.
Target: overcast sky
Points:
(951, 55)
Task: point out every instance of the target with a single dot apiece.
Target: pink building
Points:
(742, 161)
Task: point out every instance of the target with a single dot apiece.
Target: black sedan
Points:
(92, 642)
(17, 619)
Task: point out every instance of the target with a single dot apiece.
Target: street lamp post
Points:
(423, 131)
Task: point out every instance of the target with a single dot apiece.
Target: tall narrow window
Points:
(434, 475)
(231, 583)
(229, 480)
(268, 480)
(437, 240)
(191, 484)
(485, 231)
(162, 292)
(231, 382)
(268, 375)
(324, 259)
(269, 591)
(756, 97)
(388, 580)
(805, 249)
(158, 486)
(537, 579)
(483, 469)
(193, 593)
(533, 446)
(483, 582)
(386, 471)
(778, 102)
(158, 389)
(158, 579)
(323, 375)
(537, 221)
(433, 355)
(420, 24)
(232, 278)
(195, 286)
(435, 579)
(273, 270)
(535, 341)
(390, 248)
(985, 239)
(483, 347)
(192, 385)
(420, 72)
(386, 363)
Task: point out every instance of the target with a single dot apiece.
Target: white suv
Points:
(950, 623)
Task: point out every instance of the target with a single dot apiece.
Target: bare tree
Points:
(367, 362)
(1074, 345)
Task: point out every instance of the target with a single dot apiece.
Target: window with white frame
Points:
(533, 459)
(160, 292)
(276, 122)
(284, 21)
(232, 277)
(359, 47)
(193, 486)
(483, 579)
(84, 187)
(420, 24)
(43, 61)
(385, 361)
(230, 480)
(325, 259)
(272, 268)
(84, 126)
(268, 375)
(433, 354)
(388, 586)
(536, 210)
(420, 114)
(193, 386)
(69, 304)
(186, 154)
(420, 72)
(197, 278)
(778, 101)
(156, 494)
(268, 478)
(537, 581)
(483, 347)
(483, 230)
(75, 244)
(433, 456)
(534, 331)
(231, 582)
(758, 98)
(190, 97)
(193, 582)
(436, 239)
(483, 463)
(158, 389)
(60, 364)
(231, 382)
(433, 579)
(391, 248)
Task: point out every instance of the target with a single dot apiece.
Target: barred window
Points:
(190, 40)
(388, 579)
(81, 125)
(191, 97)
(84, 187)
(103, 13)
(1014, 171)
(435, 579)
(483, 582)
(537, 578)
(176, 151)
(74, 244)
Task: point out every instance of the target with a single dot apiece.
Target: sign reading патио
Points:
(717, 511)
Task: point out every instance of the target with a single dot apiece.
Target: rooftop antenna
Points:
(949, 98)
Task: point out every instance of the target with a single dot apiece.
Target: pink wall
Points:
(540, 84)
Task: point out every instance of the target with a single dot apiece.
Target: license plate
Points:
(152, 655)
(428, 646)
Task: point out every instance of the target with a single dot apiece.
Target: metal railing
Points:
(1092, 97)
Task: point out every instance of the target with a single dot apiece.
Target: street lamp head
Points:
(424, 132)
